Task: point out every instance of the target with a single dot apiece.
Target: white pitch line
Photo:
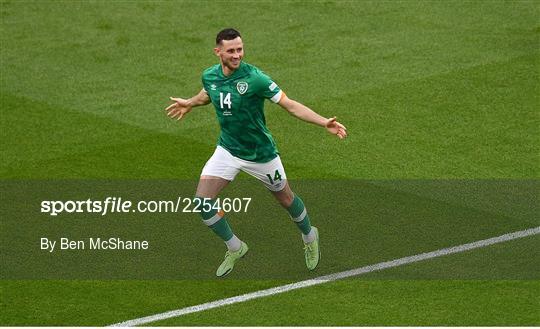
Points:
(329, 278)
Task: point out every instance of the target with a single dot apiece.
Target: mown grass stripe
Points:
(331, 277)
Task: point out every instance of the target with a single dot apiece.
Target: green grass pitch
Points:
(441, 101)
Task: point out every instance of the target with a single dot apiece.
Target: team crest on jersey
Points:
(242, 87)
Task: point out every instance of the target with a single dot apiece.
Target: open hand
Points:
(178, 108)
(336, 128)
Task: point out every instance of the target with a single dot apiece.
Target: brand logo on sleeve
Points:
(272, 86)
(242, 87)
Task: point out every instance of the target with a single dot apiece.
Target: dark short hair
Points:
(227, 34)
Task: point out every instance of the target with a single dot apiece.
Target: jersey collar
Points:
(238, 72)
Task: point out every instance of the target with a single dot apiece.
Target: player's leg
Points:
(216, 175)
(310, 234)
(297, 210)
(208, 189)
(273, 176)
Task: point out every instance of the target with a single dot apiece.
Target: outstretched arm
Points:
(303, 112)
(181, 106)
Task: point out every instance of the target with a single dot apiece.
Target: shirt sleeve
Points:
(268, 89)
(203, 84)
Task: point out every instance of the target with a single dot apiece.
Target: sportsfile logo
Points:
(112, 205)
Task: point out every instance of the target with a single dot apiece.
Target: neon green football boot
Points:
(231, 257)
(312, 252)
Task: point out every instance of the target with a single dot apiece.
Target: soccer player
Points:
(238, 91)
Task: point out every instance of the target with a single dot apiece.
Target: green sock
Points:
(299, 215)
(222, 229)
(216, 221)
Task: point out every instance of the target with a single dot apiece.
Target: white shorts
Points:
(223, 164)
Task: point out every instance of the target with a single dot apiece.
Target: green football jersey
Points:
(239, 103)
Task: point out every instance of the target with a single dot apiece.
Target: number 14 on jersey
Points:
(225, 100)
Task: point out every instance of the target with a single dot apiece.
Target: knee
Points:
(286, 199)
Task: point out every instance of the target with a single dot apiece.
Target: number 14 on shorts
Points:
(277, 176)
